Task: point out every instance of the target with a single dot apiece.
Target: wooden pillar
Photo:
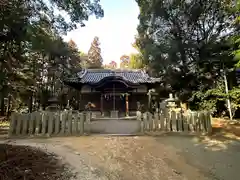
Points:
(127, 105)
(114, 98)
(149, 101)
(79, 101)
(102, 104)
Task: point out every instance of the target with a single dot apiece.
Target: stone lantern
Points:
(152, 100)
(53, 104)
(171, 102)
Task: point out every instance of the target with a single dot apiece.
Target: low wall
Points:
(114, 126)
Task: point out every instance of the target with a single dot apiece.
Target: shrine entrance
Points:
(111, 103)
(114, 97)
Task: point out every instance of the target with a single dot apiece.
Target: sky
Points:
(116, 30)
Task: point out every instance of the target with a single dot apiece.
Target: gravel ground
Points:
(218, 159)
(113, 158)
(145, 158)
(31, 163)
(80, 165)
(126, 158)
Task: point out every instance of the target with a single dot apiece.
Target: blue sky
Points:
(116, 30)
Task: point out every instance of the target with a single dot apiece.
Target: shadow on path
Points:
(216, 156)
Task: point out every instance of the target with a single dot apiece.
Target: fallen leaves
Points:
(29, 163)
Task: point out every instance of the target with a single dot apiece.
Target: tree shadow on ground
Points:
(214, 155)
(219, 140)
(26, 162)
(4, 127)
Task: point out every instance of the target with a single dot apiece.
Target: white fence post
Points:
(38, 122)
(88, 122)
(162, 121)
(50, 123)
(174, 121)
(156, 121)
(13, 124)
(25, 120)
(69, 119)
(63, 117)
(32, 118)
(81, 119)
(150, 121)
(180, 121)
(57, 123)
(209, 123)
(44, 123)
(145, 121)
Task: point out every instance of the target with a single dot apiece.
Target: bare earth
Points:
(145, 158)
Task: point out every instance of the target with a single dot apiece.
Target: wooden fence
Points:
(47, 123)
(176, 122)
(66, 123)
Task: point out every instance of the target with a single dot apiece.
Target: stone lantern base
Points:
(53, 104)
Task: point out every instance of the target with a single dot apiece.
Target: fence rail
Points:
(47, 123)
(176, 122)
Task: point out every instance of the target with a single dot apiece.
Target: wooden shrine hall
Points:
(115, 92)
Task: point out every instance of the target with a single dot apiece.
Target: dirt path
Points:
(126, 158)
(144, 158)
(216, 158)
(79, 164)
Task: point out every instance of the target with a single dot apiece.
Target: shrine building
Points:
(114, 93)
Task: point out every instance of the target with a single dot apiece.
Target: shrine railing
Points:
(67, 123)
(47, 123)
(176, 121)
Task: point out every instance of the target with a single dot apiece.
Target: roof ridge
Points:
(84, 71)
(114, 70)
(99, 70)
(128, 70)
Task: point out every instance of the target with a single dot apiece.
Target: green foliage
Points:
(234, 95)
(208, 99)
(136, 61)
(236, 37)
(187, 43)
(215, 99)
(33, 56)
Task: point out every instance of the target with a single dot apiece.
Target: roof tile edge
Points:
(82, 73)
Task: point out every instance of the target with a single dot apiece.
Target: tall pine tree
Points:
(94, 54)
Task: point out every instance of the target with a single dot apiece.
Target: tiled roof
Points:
(93, 76)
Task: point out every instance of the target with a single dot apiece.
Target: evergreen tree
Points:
(34, 58)
(94, 54)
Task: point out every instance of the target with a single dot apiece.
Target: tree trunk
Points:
(30, 105)
(77, 100)
(9, 106)
(2, 113)
(2, 106)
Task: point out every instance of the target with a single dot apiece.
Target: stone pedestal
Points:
(114, 114)
(53, 104)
